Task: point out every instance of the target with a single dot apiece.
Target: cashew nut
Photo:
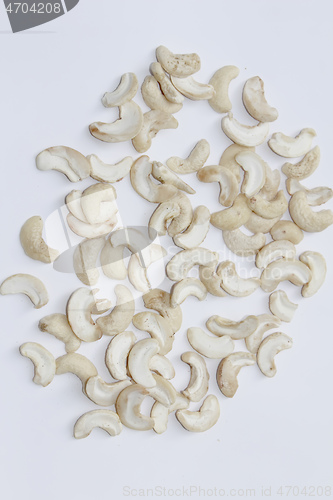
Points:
(163, 392)
(182, 221)
(160, 218)
(233, 284)
(269, 348)
(158, 328)
(197, 231)
(291, 147)
(73, 204)
(315, 196)
(43, 360)
(121, 315)
(202, 420)
(186, 287)
(103, 172)
(284, 269)
(180, 65)
(181, 263)
(86, 230)
(138, 266)
(220, 81)
(32, 241)
(168, 89)
(112, 261)
(255, 172)
(255, 102)
(211, 280)
(78, 365)
(84, 260)
(235, 329)
(31, 286)
(229, 368)
(153, 121)
(162, 366)
(79, 308)
(228, 160)
(160, 413)
(192, 89)
(307, 220)
(107, 420)
(199, 380)
(228, 183)
(66, 160)
(269, 209)
(233, 217)
(125, 91)
(98, 203)
(317, 265)
(266, 322)
(128, 407)
(58, 326)
(145, 187)
(256, 223)
(272, 183)
(139, 359)
(208, 346)
(305, 167)
(242, 244)
(102, 393)
(281, 306)
(159, 300)
(166, 176)
(244, 135)
(196, 159)
(154, 97)
(128, 125)
(117, 353)
(287, 230)
(275, 250)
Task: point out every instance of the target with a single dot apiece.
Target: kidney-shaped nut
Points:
(265, 322)
(163, 391)
(181, 263)
(158, 328)
(103, 394)
(192, 89)
(166, 176)
(153, 121)
(220, 81)
(181, 290)
(31, 286)
(168, 89)
(98, 203)
(255, 102)
(78, 365)
(43, 360)
(228, 159)
(128, 407)
(32, 241)
(255, 172)
(104, 172)
(256, 223)
(303, 168)
(211, 280)
(138, 266)
(287, 230)
(242, 244)
(125, 91)
(162, 366)
(234, 217)
(66, 160)
(317, 265)
(160, 301)
(107, 420)
(180, 65)
(131, 238)
(244, 135)
(58, 326)
(125, 128)
(196, 159)
(291, 147)
(269, 348)
(112, 261)
(117, 353)
(281, 306)
(73, 204)
(79, 308)
(284, 270)
(154, 97)
(228, 183)
(197, 231)
(229, 368)
(269, 209)
(273, 251)
(208, 346)
(235, 329)
(139, 360)
(199, 380)
(121, 315)
(202, 420)
(233, 284)
(143, 184)
(84, 260)
(315, 196)
(272, 183)
(182, 221)
(160, 218)
(86, 230)
(305, 218)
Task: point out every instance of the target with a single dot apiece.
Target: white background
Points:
(274, 432)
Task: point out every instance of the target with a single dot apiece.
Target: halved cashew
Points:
(160, 218)
(125, 128)
(287, 230)
(307, 220)
(158, 328)
(256, 223)
(77, 364)
(128, 408)
(66, 160)
(153, 121)
(112, 261)
(228, 159)
(255, 102)
(139, 360)
(182, 221)
(180, 65)
(229, 368)
(181, 263)
(192, 89)
(281, 306)
(265, 322)
(244, 135)
(315, 196)
(242, 244)
(138, 266)
(197, 231)
(284, 269)
(199, 382)
(269, 209)
(43, 360)
(255, 172)
(31, 286)
(233, 284)
(168, 89)
(163, 391)
(130, 237)
(84, 260)
(160, 413)
(272, 183)
(154, 97)
(196, 159)
(233, 217)
(228, 183)
(125, 91)
(317, 265)
(220, 81)
(58, 326)
(73, 203)
(305, 167)
(145, 187)
(79, 308)
(32, 241)
(107, 420)
(116, 354)
(162, 366)
(104, 172)
(102, 393)
(211, 347)
(101, 306)
(235, 329)
(211, 280)
(291, 147)
(269, 348)
(86, 230)
(275, 250)
(202, 420)
(166, 176)
(98, 203)
(186, 287)
(121, 315)
(159, 300)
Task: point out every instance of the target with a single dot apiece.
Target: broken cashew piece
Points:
(103, 172)
(112, 261)
(228, 159)
(158, 328)
(117, 353)
(284, 270)
(199, 381)
(235, 329)
(242, 244)
(255, 172)
(138, 266)
(244, 135)
(272, 183)
(202, 420)
(180, 65)
(265, 322)
(181, 263)
(31, 286)
(153, 121)
(84, 260)
(228, 370)
(160, 413)
(228, 183)
(281, 306)
(79, 307)
(160, 218)
(66, 160)
(315, 196)
(208, 346)
(58, 326)
(220, 81)
(121, 315)
(304, 168)
(317, 265)
(131, 238)
(269, 348)
(196, 159)
(162, 366)
(159, 301)
(107, 420)
(128, 407)
(291, 147)
(234, 217)
(233, 284)
(166, 176)
(168, 89)
(287, 230)
(192, 89)
(73, 204)
(86, 230)
(102, 393)
(154, 97)
(77, 364)
(32, 241)
(139, 360)
(273, 251)
(125, 91)
(142, 183)
(305, 218)
(43, 360)
(255, 102)
(184, 288)
(197, 231)
(125, 128)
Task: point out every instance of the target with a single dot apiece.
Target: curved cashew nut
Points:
(104, 394)
(192, 89)
(84, 260)
(266, 322)
(159, 300)
(281, 306)
(138, 266)
(145, 187)
(315, 196)
(197, 231)
(228, 159)
(199, 381)
(181, 263)
(101, 306)
(162, 366)
(233, 217)
(58, 326)
(79, 308)
(73, 204)
(256, 223)
(235, 329)
(233, 284)
(153, 121)
(166, 176)
(160, 218)
(98, 203)
(186, 287)
(244, 135)
(160, 413)
(255, 172)
(273, 251)
(128, 408)
(112, 261)
(32, 241)
(211, 280)
(284, 269)
(272, 183)
(117, 353)
(130, 237)
(121, 315)
(317, 265)
(182, 221)
(43, 360)
(291, 147)
(154, 97)
(305, 167)
(220, 81)
(305, 218)
(125, 128)
(107, 420)
(196, 159)
(77, 364)
(208, 346)
(229, 368)
(125, 91)
(242, 244)
(103, 172)
(255, 102)
(269, 209)
(168, 89)
(31, 286)
(228, 183)
(86, 230)
(269, 348)
(202, 420)
(287, 230)
(180, 65)
(163, 391)
(158, 328)
(66, 160)
(139, 360)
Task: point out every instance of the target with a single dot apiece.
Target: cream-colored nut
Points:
(160, 218)
(305, 218)
(43, 361)
(73, 203)
(273, 251)
(101, 306)
(317, 265)
(84, 260)
(242, 244)
(128, 407)
(162, 366)
(228, 183)
(181, 290)
(117, 353)
(291, 147)
(86, 230)
(126, 90)
(138, 266)
(159, 301)
(32, 241)
(128, 125)
(269, 348)
(228, 160)
(287, 230)
(102, 393)
(121, 315)
(180, 65)
(265, 322)
(202, 420)
(269, 209)
(154, 97)
(256, 223)
(130, 237)
(255, 102)
(220, 81)
(98, 203)
(139, 360)
(78, 365)
(197, 231)
(255, 172)
(192, 89)
(31, 286)
(160, 413)
(153, 121)
(168, 89)
(104, 172)
(79, 308)
(181, 263)
(158, 328)
(199, 380)
(58, 326)
(163, 392)
(235, 329)
(143, 184)
(304, 168)
(228, 370)
(284, 270)
(272, 183)
(233, 217)
(211, 280)
(233, 284)
(244, 135)
(281, 306)
(107, 420)
(182, 221)
(208, 346)
(196, 159)
(166, 176)
(66, 160)
(315, 196)
(112, 261)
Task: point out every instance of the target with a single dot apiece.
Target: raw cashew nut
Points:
(186, 287)
(86, 230)
(196, 159)
(138, 266)
(166, 176)
(235, 329)
(208, 346)
(291, 147)
(266, 322)
(199, 382)
(269, 209)
(307, 220)
(154, 97)
(43, 360)
(255, 102)
(315, 196)
(272, 183)
(98, 203)
(107, 420)
(228, 160)
(256, 223)
(163, 391)
(269, 348)
(159, 301)
(281, 306)
(32, 241)
(211, 280)
(197, 231)
(58, 326)
(158, 328)
(233, 284)
(162, 366)
(161, 217)
(128, 125)
(66, 160)
(182, 221)
(244, 135)
(121, 315)
(287, 230)
(234, 217)
(78, 365)
(125, 91)
(103, 172)
(73, 203)
(117, 353)
(153, 121)
(181, 263)
(228, 183)
(242, 244)
(284, 269)
(255, 172)
(317, 265)
(31, 286)
(130, 237)
(202, 420)
(192, 89)
(79, 307)
(229, 368)
(112, 261)
(145, 187)
(84, 260)
(180, 65)
(220, 81)
(102, 393)
(273, 251)
(128, 407)
(139, 360)
(160, 413)
(305, 167)
(168, 89)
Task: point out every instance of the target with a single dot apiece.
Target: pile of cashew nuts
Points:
(250, 196)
